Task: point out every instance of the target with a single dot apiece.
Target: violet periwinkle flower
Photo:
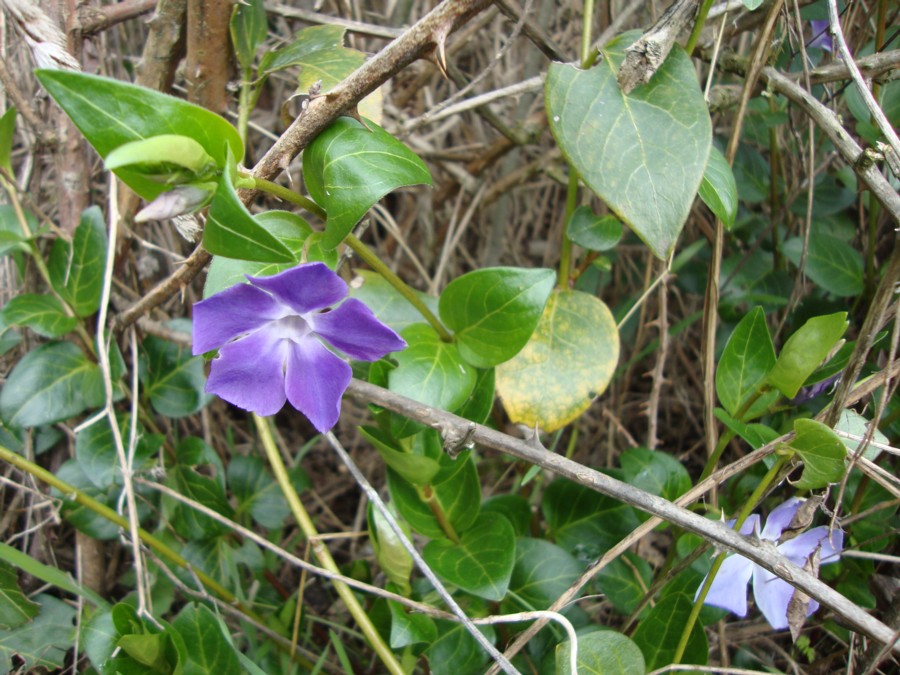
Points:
(276, 338)
(821, 35)
(772, 594)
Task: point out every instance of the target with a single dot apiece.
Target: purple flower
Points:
(821, 35)
(276, 338)
(772, 594)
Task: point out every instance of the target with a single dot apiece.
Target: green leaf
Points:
(457, 495)
(747, 358)
(757, 435)
(7, 130)
(111, 113)
(409, 628)
(718, 189)
(831, 263)
(81, 517)
(44, 314)
(655, 472)
(480, 402)
(15, 608)
(481, 562)
(232, 232)
(516, 509)
(455, 651)
(12, 237)
(258, 493)
(602, 652)
(347, 168)
(95, 451)
(386, 302)
(494, 311)
(857, 426)
(592, 232)
(159, 157)
(76, 269)
(210, 651)
(659, 633)
(308, 41)
(390, 554)
(172, 378)
(248, 30)
(823, 454)
(413, 467)
(643, 154)
(584, 522)
(566, 364)
(625, 581)
(192, 524)
(541, 573)
(51, 383)
(805, 350)
(42, 643)
(431, 371)
(48, 574)
(98, 635)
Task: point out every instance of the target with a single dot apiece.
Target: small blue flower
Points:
(821, 35)
(277, 338)
(772, 594)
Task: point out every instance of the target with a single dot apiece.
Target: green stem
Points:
(245, 105)
(565, 251)
(713, 460)
(750, 504)
(320, 550)
(587, 21)
(74, 494)
(429, 497)
(376, 264)
(698, 26)
(286, 194)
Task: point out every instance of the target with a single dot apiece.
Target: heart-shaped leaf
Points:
(172, 378)
(481, 562)
(566, 364)
(494, 311)
(349, 167)
(831, 262)
(542, 572)
(111, 113)
(386, 302)
(592, 232)
(643, 154)
(718, 189)
(823, 454)
(747, 358)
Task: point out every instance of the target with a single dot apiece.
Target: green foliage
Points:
(76, 269)
(43, 641)
(602, 653)
(804, 352)
(659, 633)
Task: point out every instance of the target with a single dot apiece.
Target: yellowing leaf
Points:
(566, 364)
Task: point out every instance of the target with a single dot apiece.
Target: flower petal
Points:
(354, 329)
(729, 588)
(750, 526)
(233, 312)
(772, 596)
(780, 518)
(798, 549)
(315, 382)
(249, 373)
(304, 288)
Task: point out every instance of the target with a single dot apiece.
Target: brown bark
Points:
(207, 67)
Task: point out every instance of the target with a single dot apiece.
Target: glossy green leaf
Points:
(248, 30)
(747, 358)
(415, 468)
(856, 427)
(659, 633)
(258, 493)
(458, 496)
(51, 383)
(831, 263)
(643, 154)
(12, 237)
(593, 232)
(584, 522)
(455, 651)
(44, 314)
(823, 454)
(431, 371)
(541, 573)
(7, 130)
(173, 379)
(603, 652)
(349, 167)
(409, 628)
(566, 364)
(757, 435)
(76, 269)
(655, 472)
(516, 509)
(111, 113)
(481, 562)
(308, 41)
(98, 637)
(390, 554)
(15, 608)
(718, 189)
(477, 407)
(210, 651)
(95, 451)
(43, 643)
(81, 517)
(386, 302)
(188, 522)
(232, 232)
(160, 157)
(494, 311)
(624, 582)
(805, 350)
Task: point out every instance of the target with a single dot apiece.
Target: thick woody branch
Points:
(454, 427)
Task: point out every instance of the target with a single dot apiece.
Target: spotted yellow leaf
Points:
(566, 364)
